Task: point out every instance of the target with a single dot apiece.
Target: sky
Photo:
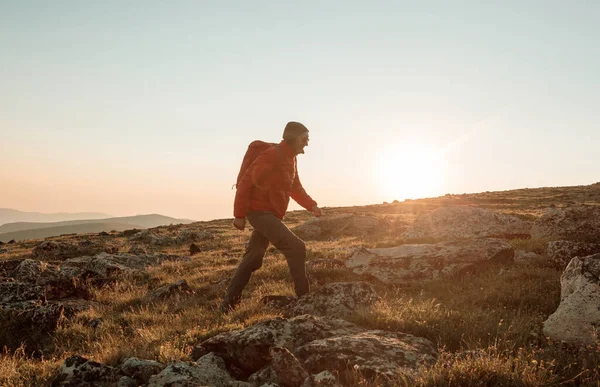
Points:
(137, 107)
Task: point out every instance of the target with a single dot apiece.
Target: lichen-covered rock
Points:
(407, 263)
(209, 370)
(460, 222)
(63, 250)
(78, 371)
(180, 287)
(189, 236)
(151, 238)
(322, 379)
(264, 376)
(248, 348)
(371, 353)
(325, 263)
(577, 223)
(290, 372)
(112, 265)
(29, 270)
(340, 299)
(560, 253)
(577, 318)
(11, 292)
(340, 225)
(141, 370)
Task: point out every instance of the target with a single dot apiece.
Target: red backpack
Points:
(255, 149)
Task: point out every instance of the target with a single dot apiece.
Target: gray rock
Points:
(151, 238)
(11, 292)
(407, 263)
(461, 222)
(372, 354)
(340, 225)
(141, 370)
(339, 299)
(248, 348)
(126, 381)
(578, 223)
(264, 376)
(577, 318)
(189, 236)
(209, 370)
(79, 371)
(560, 253)
(322, 379)
(290, 372)
(137, 250)
(63, 250)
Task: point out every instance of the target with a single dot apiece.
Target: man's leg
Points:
(251, 261)
(292, 247)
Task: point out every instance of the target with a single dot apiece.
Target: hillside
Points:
(41, 233)
(8, 215)
(139, 221)
(459, 290)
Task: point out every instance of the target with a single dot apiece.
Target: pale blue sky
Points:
(130, 107)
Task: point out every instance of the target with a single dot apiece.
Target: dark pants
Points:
(268, 228)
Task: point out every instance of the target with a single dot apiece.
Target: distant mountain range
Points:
(39, 230)
(8, 215)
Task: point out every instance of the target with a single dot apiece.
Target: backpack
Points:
(255, 149)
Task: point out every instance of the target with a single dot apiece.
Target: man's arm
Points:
(253, 176)
(301, 197)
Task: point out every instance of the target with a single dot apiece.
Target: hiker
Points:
(263, 192)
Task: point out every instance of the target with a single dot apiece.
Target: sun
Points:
(410, 171)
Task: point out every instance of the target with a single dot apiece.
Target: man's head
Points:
(296, 135)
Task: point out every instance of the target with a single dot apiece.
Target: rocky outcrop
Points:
(141, 370)
(461, 222)
(78, 371)
(406, 263)
(150, 238)
(340, 226)
(577, 223)
(189, 236)
(577, 318)
(340, 299)
(288, 369)
(560, 253)
(63, 250)
(209, 370)
(319, 344)
(371, 353)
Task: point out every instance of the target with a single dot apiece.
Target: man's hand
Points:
(316, 211)
(239, 223)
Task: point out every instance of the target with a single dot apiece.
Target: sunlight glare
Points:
(410, 171)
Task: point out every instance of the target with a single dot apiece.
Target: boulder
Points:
(322, 379)
(577, 223)
(560, 253)
(339, 226)
(151, 238)
(79, 371)
(577, 318)
(373, 354)
(141, 370)
(209, 370)
(407, 263)
(63, 250)
(461, 222)
(340, 299)
(137, 250)
(189, 236)
(288, 369)
(248, 348)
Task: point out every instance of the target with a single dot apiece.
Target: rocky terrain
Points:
(496, 288)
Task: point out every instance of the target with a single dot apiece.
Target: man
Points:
(263, 195)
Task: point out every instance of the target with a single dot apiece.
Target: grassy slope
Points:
(496, 314)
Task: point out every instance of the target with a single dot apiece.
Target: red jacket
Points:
(269, 182)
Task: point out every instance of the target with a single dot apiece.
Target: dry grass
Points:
(487, 324)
